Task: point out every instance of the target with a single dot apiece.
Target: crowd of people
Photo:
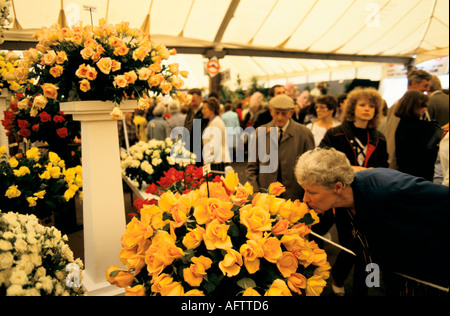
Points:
(411, 137)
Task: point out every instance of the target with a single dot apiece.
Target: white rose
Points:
(5, 245)
(6, 260)
(19, 277)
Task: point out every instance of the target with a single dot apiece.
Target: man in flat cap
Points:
(293, 140)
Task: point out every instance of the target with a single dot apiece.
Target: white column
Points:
(4, 99)
(103, 203)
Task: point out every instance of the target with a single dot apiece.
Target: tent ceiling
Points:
(262, 38)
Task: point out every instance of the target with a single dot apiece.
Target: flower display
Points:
(27, 119)
(221, 239)
(11, 77)
(35, 260)
(105, 62)
(147, 161)
(37, 183)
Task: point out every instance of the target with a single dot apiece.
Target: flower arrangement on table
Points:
(229, 241)
(146, 162)
(105, 62)
(35, 260)
(11, 78)
(37, 183)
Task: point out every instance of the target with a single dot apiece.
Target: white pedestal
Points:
(103, 203)
(4, 99)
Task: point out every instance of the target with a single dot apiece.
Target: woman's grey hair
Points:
(174, 107)
(159, 110)
(324, 167)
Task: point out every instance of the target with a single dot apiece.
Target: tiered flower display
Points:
(147, 161)
(36, 183)
(35, 260)
(221, 239)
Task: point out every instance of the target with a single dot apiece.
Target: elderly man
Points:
(294, 139)
(195, 124)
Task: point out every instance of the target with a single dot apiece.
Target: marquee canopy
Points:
(267, 39)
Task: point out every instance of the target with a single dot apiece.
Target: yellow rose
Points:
(173, 289)
(263, 200)
(208, 209)
(118, 277)
(166, 201)
(31, 201)
(152, 215)
(179, 214)
(135, 232)
(231, 181)
(140, 53)
(291, 242)
(55, 172)
(2, 150)
(194, 293)
(242, 193)
(287, 264)
(12, 192)
(145, 73)
(315, 285)
(159, 282)
(278, 288)
(281, 227)
(296, 282)
(231, 264)
(137, 290)
(256, 219)
(323, 271)
(22, 171)
(216, 236)
(293, 211)
(194, 274)
(130, 77)
(33, 153)
(53, 157)
(250, 292)
(194, 238)
(85, 85)
(251, 251)
(13, 163)
(45, 175)
(216, 190)
(116, 113)
(272, 248)
(40, 102)
(276, 188)
(105, 65)
(50, 90)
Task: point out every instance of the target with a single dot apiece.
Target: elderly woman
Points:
(402, 222)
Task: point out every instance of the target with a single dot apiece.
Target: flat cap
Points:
(282, 102)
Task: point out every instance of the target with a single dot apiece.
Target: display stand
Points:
(4, 99)
(103, 202)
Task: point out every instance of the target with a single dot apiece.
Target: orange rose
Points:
(278, 288)
(194, 274)
(145, 73)
(208, 209)
(250, 292)
(251, 251)
(194, 238)
(152, 215)
(160, 282)
(130, 76)
(85, 85)
(105, 65)
(216, 236)
(281, 227)
(231, 181)
(256, 219)
(121, 51)
(140, 53)
(296, 282)
(293, 211)
(120, 81)
(315, 285)
(272, 249)
(56, 71)
(287, 264)
(135, 232)
(179, 212)
(50, 90)
(231, 264)
(82, 71)
(118, 277)
(166, 200)
(291, 242)
(91, 73)
(137, 290)
(242, 193)
(323, 271)
(276, 188)
(216, 190)
(173, 289)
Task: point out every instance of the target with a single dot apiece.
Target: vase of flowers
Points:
(233, 242)
(35, 260)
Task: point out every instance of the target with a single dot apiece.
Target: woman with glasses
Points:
(325, 108)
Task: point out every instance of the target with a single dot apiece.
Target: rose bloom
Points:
(115, 65)
(121, 51)
(50, 90)
(276, 188)
(179, 212)
(40, 102)
(287, 264)
(194, 238)
(278, 288)
(130, 76)
(87, 52)
(140, 53)
(296, 282)
(216, 236)
(85, 85)
(281, 227)
(250, 292)
(91, 73)
(145, 73)
(272, 249)
(242, 193)
(166, 201)
(82, 71)
(231, 264)
(251, 251)
(155, 80)
(120, 81)
(56, 71)
(12, 192)
(49, 58)
(121, 279)
(116, 113)
(315, 285)
(105, 65)
(165, 87)
(135, 232)
(137, 290)
(256, 219)
(62, 132)
(194, 274)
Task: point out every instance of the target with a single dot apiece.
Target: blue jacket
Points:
(405, 220)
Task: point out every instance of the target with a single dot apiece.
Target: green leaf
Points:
(245, 283)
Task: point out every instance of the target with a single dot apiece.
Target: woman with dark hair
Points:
(326, 106)
(416, 140)
(365, 147)
(215, 150)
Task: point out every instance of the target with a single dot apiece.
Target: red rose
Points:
(58, 119)
(62, 132)
(151, 189)
(22, 124)
(45, 117)
(24, 132)
(35, 127)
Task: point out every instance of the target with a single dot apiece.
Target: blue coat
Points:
(405, 220)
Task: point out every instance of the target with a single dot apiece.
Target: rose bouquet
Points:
(35, 260)
(37, 183)
(10, 76)
(105, 62)
(147, 161)
(233, 242)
